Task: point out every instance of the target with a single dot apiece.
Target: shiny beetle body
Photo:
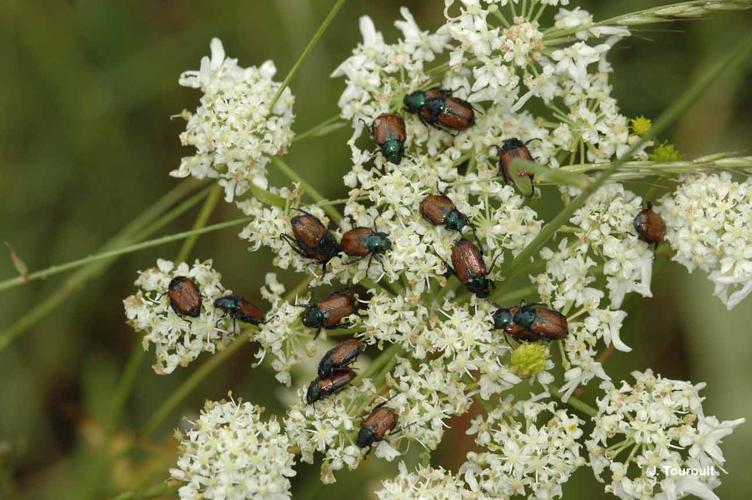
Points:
(340, 356)
(239, 308)
(649, 225)
(330, 311)
(531, 322)
(415, 102)
(323, 387)
(468, 265)
(185, 297)
(439, 209)
(438, 108)
(542, 322)
(389, 132)
(381, 420)
(503, 319)
(363, 242)
(510, 150)
(312, 239)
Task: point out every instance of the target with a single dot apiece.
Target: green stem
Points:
(125, 385)
(575, 403)
(123, 389)
(203, 216)
(693, 9)
(133, 231)
(326, 127)
(310, 190)
(311, 44)
(192, 381)
(640, 169)
(378, 363)
(157, 491)
(51, 271)
(732, 58)
(205, 369)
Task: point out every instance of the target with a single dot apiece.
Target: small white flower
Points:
(424, 483)
(230, 452)
(655, 425)
(525, 456)
(233, 130)
(707, 225)
(178, 340)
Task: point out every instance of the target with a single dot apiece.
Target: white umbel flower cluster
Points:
(230, 452)
(178, 340)
(329, 427)
(708, 226)
(647, 433)
(512, 87)
(282, 336)
(526, 454)
(606, 223)
(423, 483)
(233, 130)
(376, 71)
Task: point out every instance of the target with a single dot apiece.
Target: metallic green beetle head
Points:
(393, 150)
(378, 243)
(415, 101)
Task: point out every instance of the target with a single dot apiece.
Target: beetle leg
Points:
(396, 432)
(366, 125)
(293, 244)
(384, 402)
(449, 269)
(493, 263)
(506, 337)
(303, 211)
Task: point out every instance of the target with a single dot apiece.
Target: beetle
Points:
(341, 355)
(239, 308)
(546, 323)
(323, 387)
(312, 239)
(374, 427)
(415, 102)
(503, 319)
(389, 132)
(531, 322)
(438, 108)
(330, 311)
(365, 242)
(185, 297)
(510, 150)
(649, 225)
(468, 265)
(439, 209)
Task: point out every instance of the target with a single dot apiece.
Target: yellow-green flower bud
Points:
(665, 152)
(641, 125)
(529, 359)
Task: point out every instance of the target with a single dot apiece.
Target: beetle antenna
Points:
(533, 139)
(298, 209)
(493, 262)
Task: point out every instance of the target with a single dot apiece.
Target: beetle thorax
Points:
(313, 317)
(378, 243)
(455, 220)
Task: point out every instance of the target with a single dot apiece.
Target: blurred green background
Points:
(86, 141)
